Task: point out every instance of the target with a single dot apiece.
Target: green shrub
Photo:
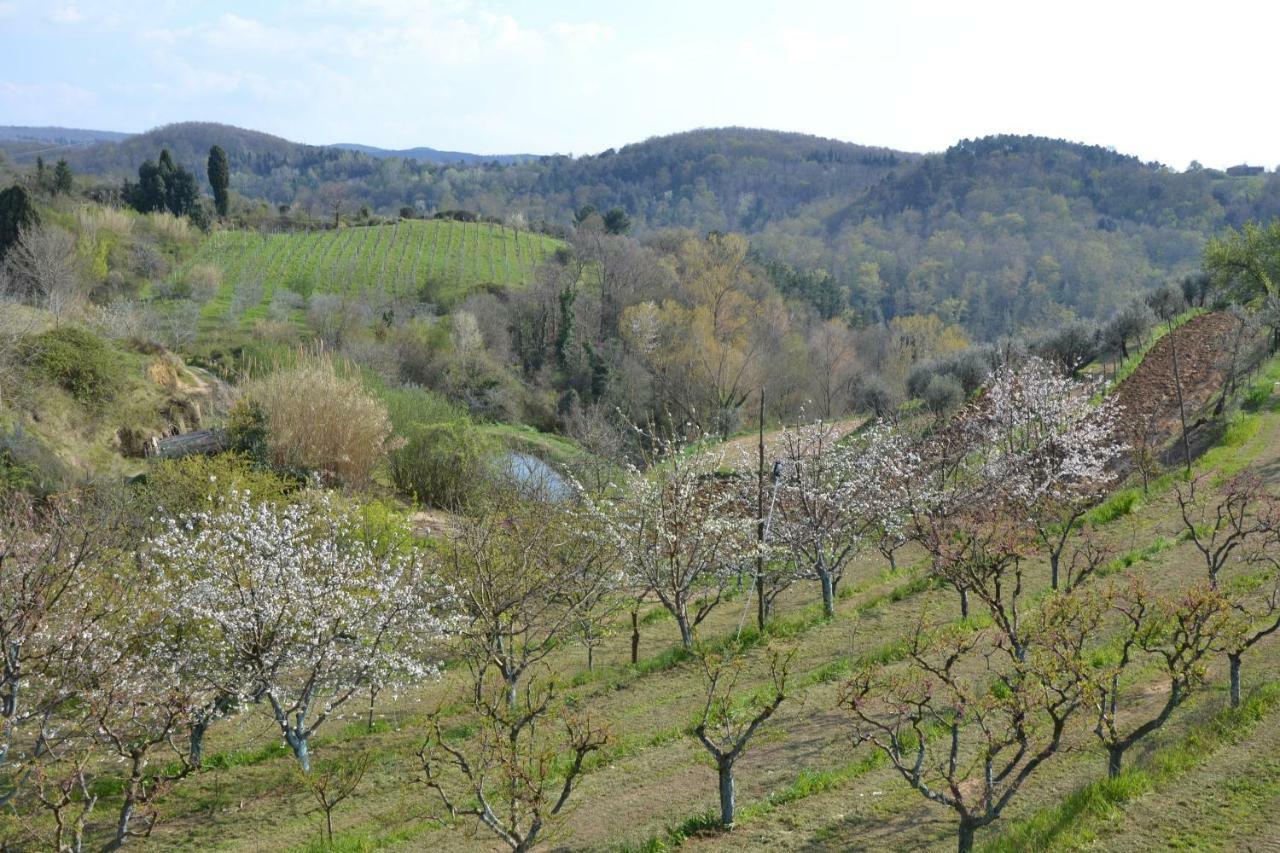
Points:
(28, 465)
(247, 432)
(443, 465)
(76, 360)
(176, 486)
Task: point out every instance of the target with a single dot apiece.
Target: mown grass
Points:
(1078, 819)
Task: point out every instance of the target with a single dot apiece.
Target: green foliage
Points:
(177, 486)
(28, 464)
(1246, 262)
(1118, 505)
(444, 465)
(161, 186)
(438, 261)
(247, 432)
(62, 178)
(616, 221)
(76, 360)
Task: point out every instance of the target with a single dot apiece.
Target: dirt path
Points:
(746, 445)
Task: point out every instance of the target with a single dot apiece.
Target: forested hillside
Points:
(999, 235)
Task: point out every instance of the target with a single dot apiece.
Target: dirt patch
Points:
(434, 522)
(1149, 396)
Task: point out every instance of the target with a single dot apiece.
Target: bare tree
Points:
(526, 576)
(729, 720)
(1174, 634)
(516, 774)
(955, 739)
(1235, 526)
(333, 781)
(42, 269)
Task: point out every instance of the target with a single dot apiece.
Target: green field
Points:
(436, 260)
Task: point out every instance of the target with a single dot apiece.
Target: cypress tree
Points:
(219, 178)
(16, 213)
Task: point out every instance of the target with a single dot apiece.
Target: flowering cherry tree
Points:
(681, 531)
(1047, 449)
(834, 496)
(297, 608)
(48, 606)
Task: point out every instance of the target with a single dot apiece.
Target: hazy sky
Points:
(1165, 81)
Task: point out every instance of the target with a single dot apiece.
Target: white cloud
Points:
(585, 34)
(58, 96)
(67, 14)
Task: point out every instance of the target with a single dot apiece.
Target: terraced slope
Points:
(435, 260)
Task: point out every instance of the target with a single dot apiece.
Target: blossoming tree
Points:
(297, 608)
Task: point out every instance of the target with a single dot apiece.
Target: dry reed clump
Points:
(204, 281)
(94, 220)
(320, 420)
(168, 226)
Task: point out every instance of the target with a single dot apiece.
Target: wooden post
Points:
(762, 611)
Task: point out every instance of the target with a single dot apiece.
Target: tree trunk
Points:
(1234, 660)
(964, 835)
(686, 630)
(591, 658)
(762, 609)
(964, 603)
(828, 594)
(727, 804)
(196, 751)
(1055, 558)
(301, 750)
(635, 636)
(122, 828)
(1115, 760)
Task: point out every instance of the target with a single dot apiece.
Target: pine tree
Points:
(62, 178)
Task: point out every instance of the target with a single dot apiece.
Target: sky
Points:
(1166, 81)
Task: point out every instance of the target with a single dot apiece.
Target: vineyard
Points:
(436, 261)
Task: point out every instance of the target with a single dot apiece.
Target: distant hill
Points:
(249, 151)
(999, 234)
(24, 144)
(434, 155)
(58, 135)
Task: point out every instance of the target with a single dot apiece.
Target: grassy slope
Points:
(825, 795)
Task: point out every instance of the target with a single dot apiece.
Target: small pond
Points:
(536, 477)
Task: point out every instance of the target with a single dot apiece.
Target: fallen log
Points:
(177, 446)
